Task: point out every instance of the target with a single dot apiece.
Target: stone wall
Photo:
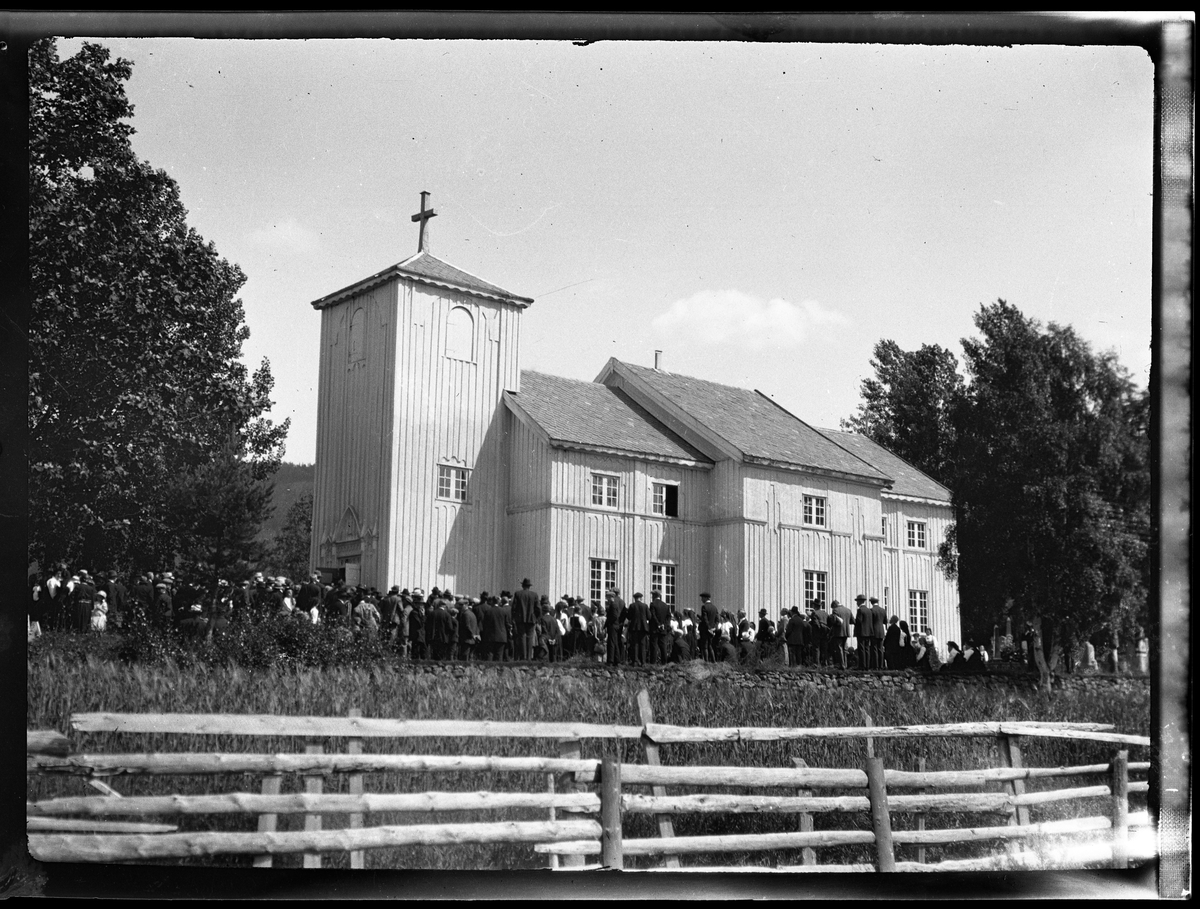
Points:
(790, 679)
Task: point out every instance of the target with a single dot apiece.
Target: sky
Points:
(764, 214)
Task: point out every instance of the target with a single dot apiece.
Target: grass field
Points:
(65, 678)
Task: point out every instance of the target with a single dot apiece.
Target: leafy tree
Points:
(907, 408)
(221, 504)
(291, 550)
(135, 337)
(1051, 482)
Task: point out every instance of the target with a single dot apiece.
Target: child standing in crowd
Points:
(100, 612)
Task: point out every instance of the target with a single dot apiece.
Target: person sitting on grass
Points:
(954, 659)
(723, 648)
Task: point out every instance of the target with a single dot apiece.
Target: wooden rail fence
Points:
(585, 800)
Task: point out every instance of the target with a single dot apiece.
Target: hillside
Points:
(291, 482)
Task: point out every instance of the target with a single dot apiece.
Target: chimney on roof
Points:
(658, 361)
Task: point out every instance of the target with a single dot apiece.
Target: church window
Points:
(918, 609)
(814, 586)
(664, 500)
(460, 334)
(814, 511)
(662, 578)
(604, 490)
(916, 534)
(452, 483)
(358, 329)
(602, 576)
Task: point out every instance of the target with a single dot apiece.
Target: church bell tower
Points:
(411, 474)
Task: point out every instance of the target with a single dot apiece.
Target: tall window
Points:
(663, 577)
(883, 527)
(918, 610)
(814, 511)
(604, 490)
(358, 331)
(664, 500)
(916, 534)
(460, 334)
(602, 576)
(887, 598)
(814, 587)
(452, 483)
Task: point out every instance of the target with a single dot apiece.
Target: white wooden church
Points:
(441, 462)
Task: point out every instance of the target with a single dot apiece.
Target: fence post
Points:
(1010, 756)
(666, 827)
(808, 855)
(553, 818)
(357, 856)
(313, 785)
(1120, 809)
(611, 852)
(271, 785)
(868, 722)
(921, 815)
(881, 822)
(569, 749)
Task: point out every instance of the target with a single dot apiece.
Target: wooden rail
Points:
(78, 828)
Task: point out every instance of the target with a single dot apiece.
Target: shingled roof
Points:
(572, 412)
(429, 270)
(754, 424)
(906, 479)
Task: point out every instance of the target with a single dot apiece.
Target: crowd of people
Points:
(523, 625)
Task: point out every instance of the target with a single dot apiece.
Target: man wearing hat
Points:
(639, 628)
(862, 631)
(878, 633)
(710, 617)
(525, 619)
(660, 629)
(615, 615)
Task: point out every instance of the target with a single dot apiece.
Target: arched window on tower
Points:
(460, 334)
(358, 329)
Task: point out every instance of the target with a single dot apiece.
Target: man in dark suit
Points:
(615, 614)
(796, 635)
(660, 629)
(710, 618)
(525, 615)
(639, 628)
(841, 624)
(493, 631)
(878, 633)
(818, 624)
(862, 631)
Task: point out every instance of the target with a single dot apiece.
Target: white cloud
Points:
(735, 318)
(287, 237)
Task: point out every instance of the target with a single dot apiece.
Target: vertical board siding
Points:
(447, 412)
(909, 569)
(353, 430)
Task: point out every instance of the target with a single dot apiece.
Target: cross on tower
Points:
(423, 216)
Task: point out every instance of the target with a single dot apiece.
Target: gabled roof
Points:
(760, 429)
(427, 269)
(906, 479)
(595, 417)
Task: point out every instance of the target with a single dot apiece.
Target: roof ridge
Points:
(822, 435)
(905, 461)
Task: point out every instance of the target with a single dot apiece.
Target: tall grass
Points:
(63, 681)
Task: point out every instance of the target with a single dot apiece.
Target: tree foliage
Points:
(908, 407)
(291, 551)
(136, 383)
(1046, 451)
(1052, 481)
